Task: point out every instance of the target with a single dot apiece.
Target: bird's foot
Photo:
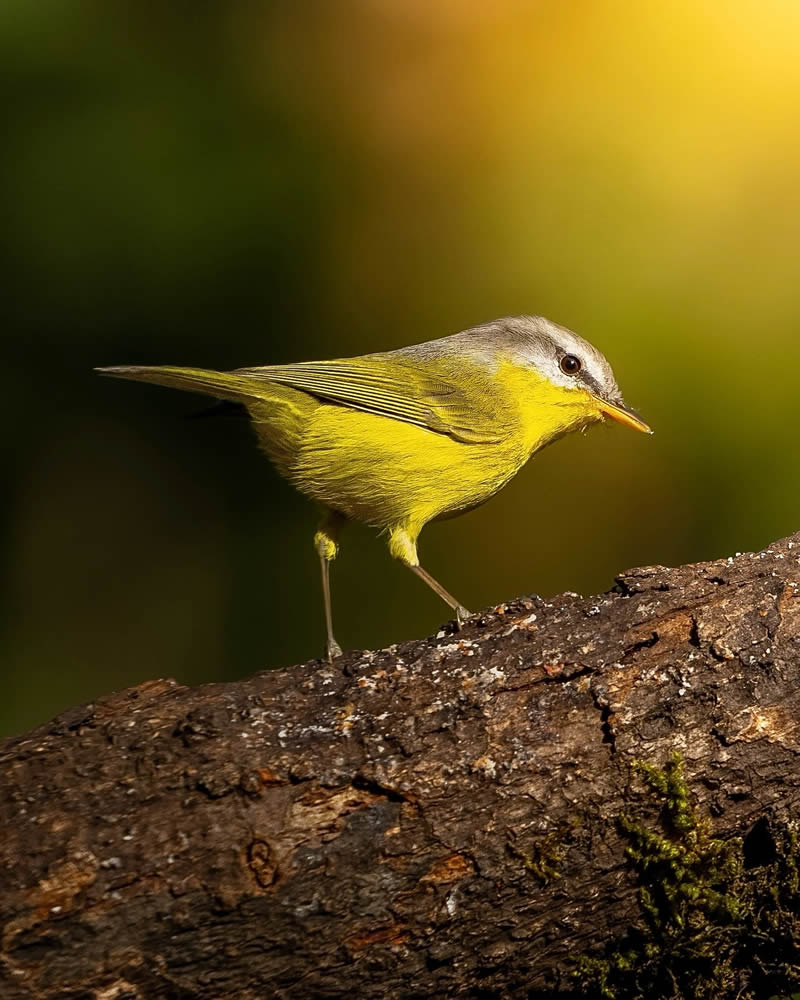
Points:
(334, 650)
(461, 615)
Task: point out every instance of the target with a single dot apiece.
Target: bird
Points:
(400, 438)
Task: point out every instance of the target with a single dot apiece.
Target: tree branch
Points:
(546, 801)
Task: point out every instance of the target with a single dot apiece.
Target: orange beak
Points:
(624, 415)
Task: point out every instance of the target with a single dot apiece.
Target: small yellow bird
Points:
(425, 432)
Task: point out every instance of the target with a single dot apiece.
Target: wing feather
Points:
(398, 389)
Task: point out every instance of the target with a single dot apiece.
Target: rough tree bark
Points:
(498, 812)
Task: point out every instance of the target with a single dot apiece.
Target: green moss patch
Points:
(720, 919)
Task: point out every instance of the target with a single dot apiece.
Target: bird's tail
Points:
(279, 413)
(223, 385)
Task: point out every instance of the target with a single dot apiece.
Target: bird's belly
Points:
(386, 472)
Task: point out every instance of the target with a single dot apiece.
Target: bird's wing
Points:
(400, 389)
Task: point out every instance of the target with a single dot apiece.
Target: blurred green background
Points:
(255, 182)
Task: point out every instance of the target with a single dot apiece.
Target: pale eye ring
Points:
(570, 365)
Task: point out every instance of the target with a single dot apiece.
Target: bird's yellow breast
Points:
(388, 472)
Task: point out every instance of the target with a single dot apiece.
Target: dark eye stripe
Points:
(591, 383)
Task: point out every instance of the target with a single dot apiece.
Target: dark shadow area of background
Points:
(247, 183)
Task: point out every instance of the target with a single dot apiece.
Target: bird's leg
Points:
(327, 545)
(403, 546)
(461, 612)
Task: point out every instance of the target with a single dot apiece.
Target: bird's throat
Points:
(547, 411)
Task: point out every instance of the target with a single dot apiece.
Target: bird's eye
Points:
(570, 365)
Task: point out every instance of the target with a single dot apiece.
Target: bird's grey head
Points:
(559, 354)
